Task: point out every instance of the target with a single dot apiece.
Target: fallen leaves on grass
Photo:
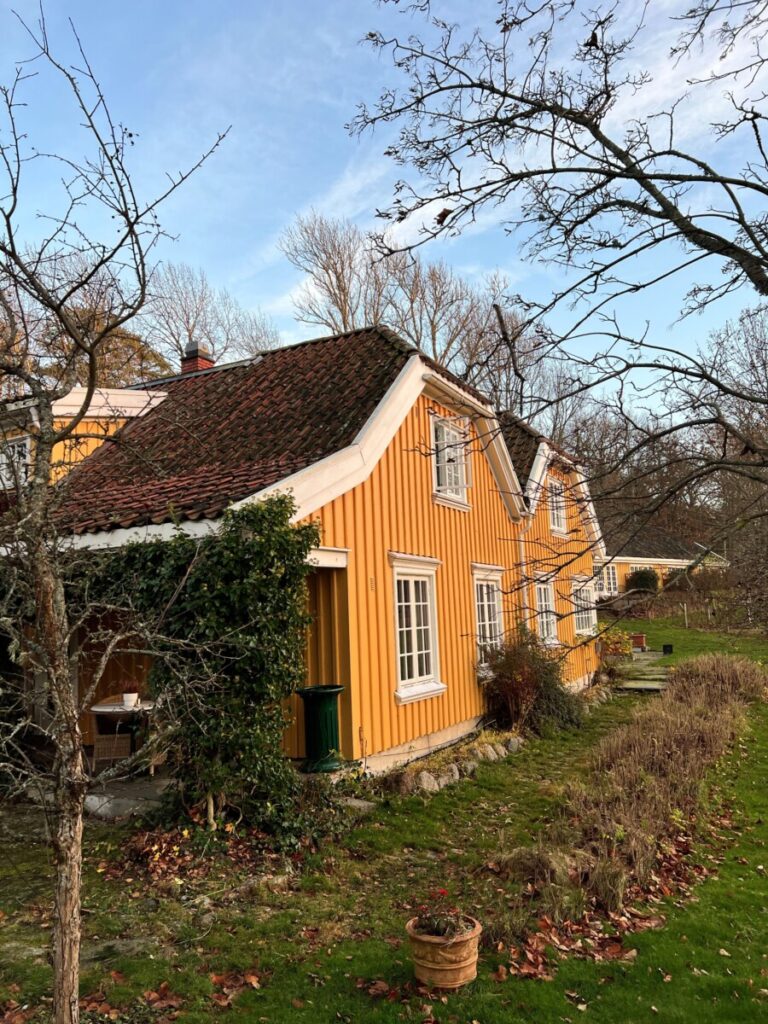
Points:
(231, 984)
(168, 855)
(12, 1012)
(97, 1002)
(163, 998)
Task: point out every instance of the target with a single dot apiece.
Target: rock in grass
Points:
(514, 743)
(357, 805)
(427, 783)
(500, 749)
(469, 768)
(449, 775)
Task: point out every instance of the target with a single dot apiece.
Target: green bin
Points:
(321, 728)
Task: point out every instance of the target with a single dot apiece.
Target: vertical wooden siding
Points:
(571, 555)
(394, 510)
(327, 661)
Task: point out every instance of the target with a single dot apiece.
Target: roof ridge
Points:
(386, 333)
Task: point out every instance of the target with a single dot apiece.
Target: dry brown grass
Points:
(645, 779)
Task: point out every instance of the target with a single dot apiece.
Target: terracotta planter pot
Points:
(439, 962)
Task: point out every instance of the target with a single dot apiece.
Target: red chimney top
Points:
(196, 358)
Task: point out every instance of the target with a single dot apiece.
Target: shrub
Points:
(643, 579)
(615, 643)
(227, 619)
(525, 687)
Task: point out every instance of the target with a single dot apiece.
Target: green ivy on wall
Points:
(225, 618)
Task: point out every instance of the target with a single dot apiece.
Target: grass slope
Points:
(690, 642)
(344, 921)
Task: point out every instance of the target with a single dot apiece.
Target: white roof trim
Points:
(676, 563)
(536, 484)
(323, 481)
(329, 558)
(538, 475)
(109, 402)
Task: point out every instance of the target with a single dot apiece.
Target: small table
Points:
(119, 710)
(112, 747)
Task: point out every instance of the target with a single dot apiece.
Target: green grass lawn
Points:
(342, 919)
(689, 642)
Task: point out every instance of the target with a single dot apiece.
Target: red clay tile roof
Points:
(226, 433)
(522, 442)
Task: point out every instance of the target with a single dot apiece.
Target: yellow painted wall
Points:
(570, 554)
(89, 435)
(394, 510)
(661, 568)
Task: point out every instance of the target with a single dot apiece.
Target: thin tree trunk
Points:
(68, 859)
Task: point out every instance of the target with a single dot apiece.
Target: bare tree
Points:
(183, 310)
(549, 116)
(348, 285)
(91, 252)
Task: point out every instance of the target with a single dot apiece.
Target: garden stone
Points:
(500, 749)
(359, 806)
(514, 743)
(406, 783)
(449, 776)
(478, 751)
(469, 768)
(490, 753)
(427, 783)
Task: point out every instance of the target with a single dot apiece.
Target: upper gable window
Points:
(450, 438)
(556, 497)
(14, 462)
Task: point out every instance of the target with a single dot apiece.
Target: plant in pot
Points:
(444, 943)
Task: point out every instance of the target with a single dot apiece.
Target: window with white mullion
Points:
(556, 505)
(585, 614)
(405, 628)
(488, 607)
(14, 462)
(546, 618)
(450, 459)
(414, 618)
(608, 580)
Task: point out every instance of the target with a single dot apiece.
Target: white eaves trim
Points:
(490, 437)
(322, 557)
(108, 403)
(536, 484)
(328, 479)
(675, 563)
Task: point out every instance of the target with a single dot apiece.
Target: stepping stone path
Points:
(644, 675)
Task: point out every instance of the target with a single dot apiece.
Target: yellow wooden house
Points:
(438, 537)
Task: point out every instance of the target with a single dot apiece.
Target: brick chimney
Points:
(196, 358)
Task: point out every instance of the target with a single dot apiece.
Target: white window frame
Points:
(415, 569)
(584, 607)
(450, 449)
(9, 478)
(489, 613)
(558, 520)
(607, 580)
(546, 613)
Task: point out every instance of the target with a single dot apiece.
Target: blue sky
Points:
(286, 76)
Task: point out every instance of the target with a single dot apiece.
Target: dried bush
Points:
(526, 689)
(644, 784)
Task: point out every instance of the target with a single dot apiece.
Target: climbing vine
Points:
(225, 618)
